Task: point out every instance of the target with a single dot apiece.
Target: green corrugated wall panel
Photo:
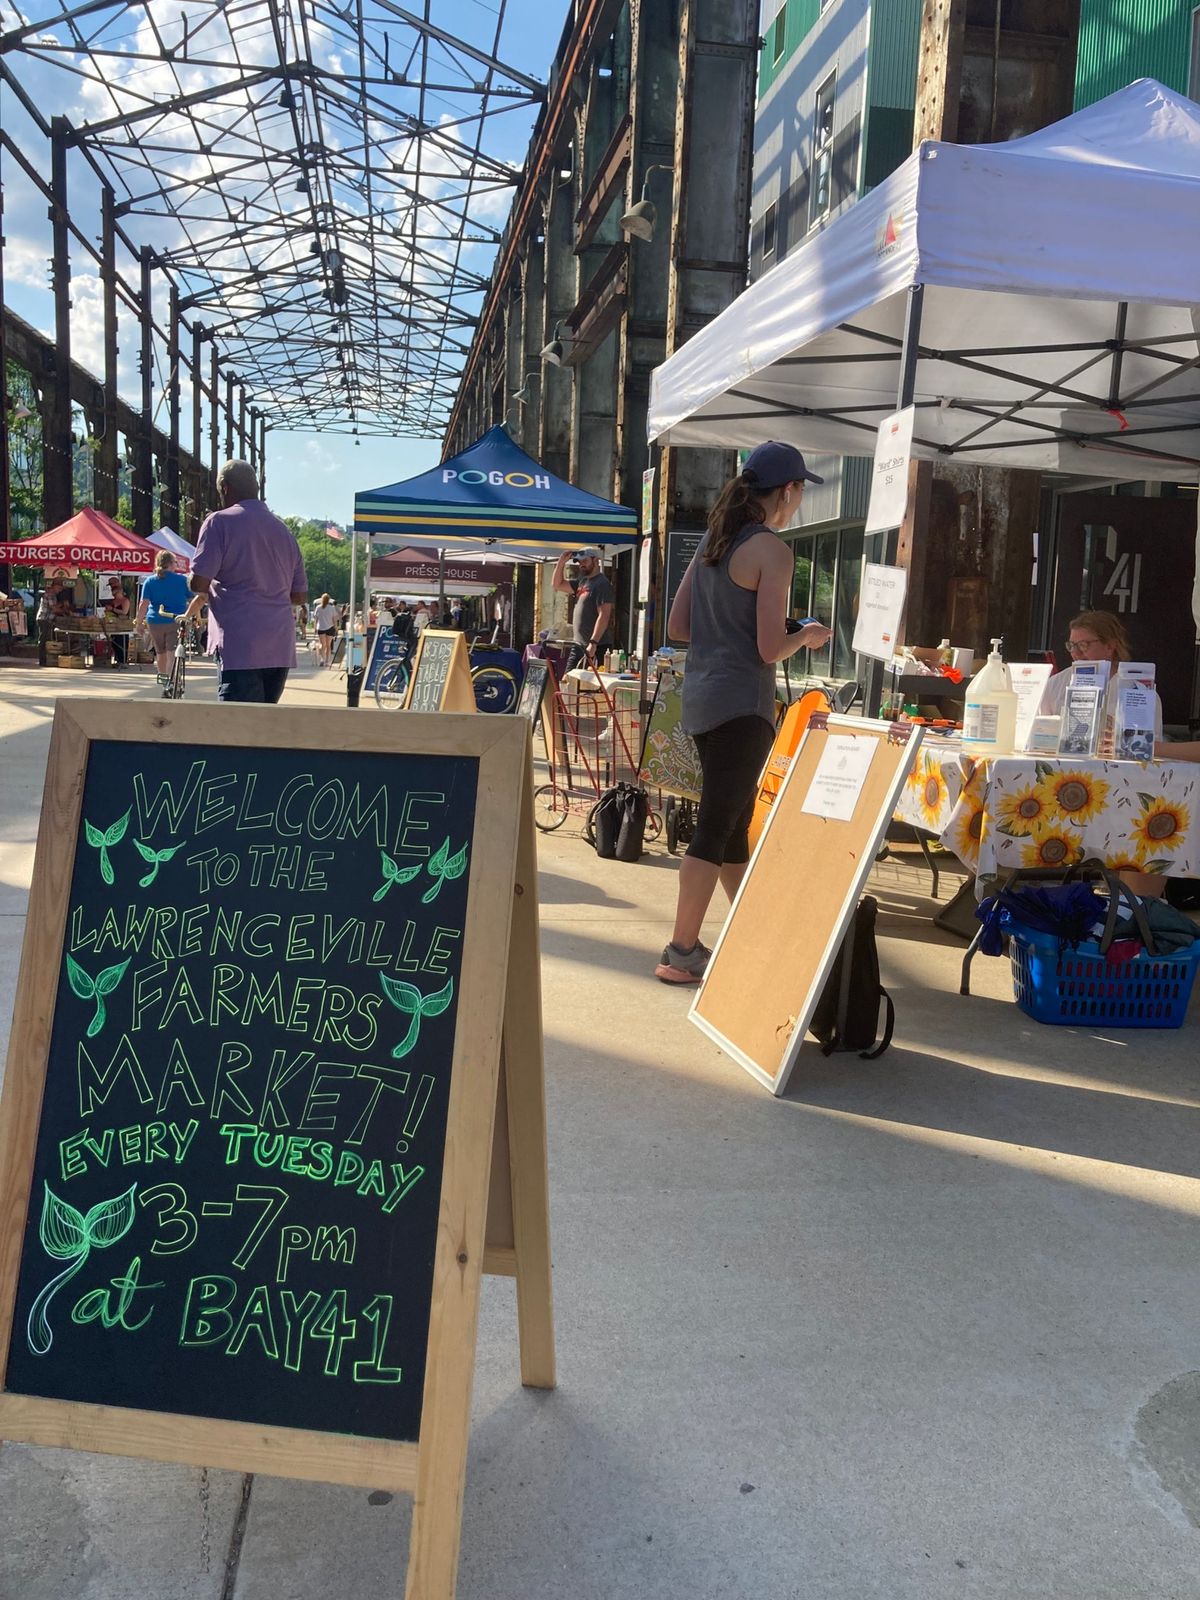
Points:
(895, 46)
(802, 15)
(1120, 40)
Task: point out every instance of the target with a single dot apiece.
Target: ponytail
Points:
(739, 504)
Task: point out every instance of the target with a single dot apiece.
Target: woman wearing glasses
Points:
(1093, 636)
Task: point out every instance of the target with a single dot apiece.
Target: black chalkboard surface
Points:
(429, 678)
(235, 1191)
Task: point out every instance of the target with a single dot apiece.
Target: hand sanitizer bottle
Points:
(990, 713)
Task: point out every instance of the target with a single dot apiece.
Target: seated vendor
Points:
(1093, 636)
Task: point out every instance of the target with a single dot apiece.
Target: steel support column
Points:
(143, 470)
(229, 416)
(554, 444)
(169, 506)
(5, 484)
(107, 492)
(57, 448)
(214, 414)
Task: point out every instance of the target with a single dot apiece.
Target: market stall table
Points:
(1051, 811)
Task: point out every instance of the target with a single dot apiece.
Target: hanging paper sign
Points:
(889, 474)
(880, 611)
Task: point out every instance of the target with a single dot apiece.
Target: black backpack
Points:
(863, 992)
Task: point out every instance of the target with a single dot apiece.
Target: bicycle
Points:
(391, 686)
(177, 678)
(496, 686)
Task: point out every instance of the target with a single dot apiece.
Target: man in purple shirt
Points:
(249, 567)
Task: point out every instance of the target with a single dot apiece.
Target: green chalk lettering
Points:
(297, 1318)
(322, 1156)
(408, 834)
(130, 1142)
(268, 1147)
(101, 1148)
(110, 932)
(200, 861)
(156, 1141)
(374, 816)
(387, 1077)
(255, 1318)
(352, 929)
(372, 1180)
(315, 880)
(295, 1155)
(266, 1002)
(245, 822)
(298, 947)
(300, 1008)
(191, 930)
(178, 1075)
(182, 997)
(79, 939)
(336, 1003)
(146, 992)
(440, 951)
(402, 1182)
(225, 977)
(234, 1059)
(286, 869)
(138, 923)
(234, 1134)
(374, 957)
(164, 921)
(324, 1072)
(284, 822)
(226, 929)
(333, 1325)
(350, 1169)
(272, 1200)
(214, 808)
(365, 1007)
(281, 1074)
(206, 1318)
(378, 1313)
(260, 857)
(71, 1163)
(97, 1304)
(183, 1137)
(166, 804)
(176, 1223)
(251, 943)
(339, 1244)
(95, 1086)
(292, 1240)
(326, 808)
(404, 961)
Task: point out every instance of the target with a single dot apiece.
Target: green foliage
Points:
(326, 561)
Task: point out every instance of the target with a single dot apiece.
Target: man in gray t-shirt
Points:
(594, 605)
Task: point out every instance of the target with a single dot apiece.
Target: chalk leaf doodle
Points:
(407, 998)
(155, 858)
(103, 840)
(67, 1235)
(393, 873)
(88, 988)
(443, 865)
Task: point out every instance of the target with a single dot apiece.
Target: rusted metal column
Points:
(143, 466)
(241, 421)
(107, 467)
(229, 416)
(554, 444)
(5, 485)
(533, 322)
(57, 447)
(214, 415)
(262, 456)
(169, 505)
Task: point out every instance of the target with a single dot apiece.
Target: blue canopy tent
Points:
(494, 498)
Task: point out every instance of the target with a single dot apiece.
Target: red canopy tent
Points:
(89, 539)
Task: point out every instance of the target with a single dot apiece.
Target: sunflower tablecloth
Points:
(1027, 811)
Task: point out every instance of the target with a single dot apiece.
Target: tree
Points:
(326, 561)
(24, 453)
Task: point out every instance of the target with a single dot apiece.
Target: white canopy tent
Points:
(1037, 300)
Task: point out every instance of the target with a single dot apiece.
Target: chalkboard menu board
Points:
(681, 547)
(441, 676)
(533, 689)
(252, 1091)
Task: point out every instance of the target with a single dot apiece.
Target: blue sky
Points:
(307, 475)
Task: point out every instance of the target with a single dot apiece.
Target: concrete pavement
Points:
(925, 1328)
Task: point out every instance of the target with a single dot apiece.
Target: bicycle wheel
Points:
(550, 807)
(391, 686)
(178, 677)
(495, 689)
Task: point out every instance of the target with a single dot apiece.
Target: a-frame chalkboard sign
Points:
(274, 1096)
(441, 675)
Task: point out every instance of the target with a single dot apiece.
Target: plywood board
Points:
(804, 880)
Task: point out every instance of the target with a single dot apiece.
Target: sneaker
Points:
(683, 966)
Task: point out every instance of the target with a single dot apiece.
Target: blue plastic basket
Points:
(1070, 987)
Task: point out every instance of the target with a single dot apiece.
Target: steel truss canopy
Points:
(314, 177)
(1054, 284)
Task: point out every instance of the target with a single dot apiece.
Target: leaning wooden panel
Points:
(92, 743)
(786, 924)
(441, 674)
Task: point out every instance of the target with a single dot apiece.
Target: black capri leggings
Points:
(732, 756)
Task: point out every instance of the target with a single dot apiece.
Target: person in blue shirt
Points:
(166, 602)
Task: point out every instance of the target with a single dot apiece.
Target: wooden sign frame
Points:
(493, 1212)
(539, 668)
(458, 691)
(797, 898)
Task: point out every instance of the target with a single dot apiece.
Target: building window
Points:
(821, 195)
(1194, 78)
(779, 35)
(770, 222)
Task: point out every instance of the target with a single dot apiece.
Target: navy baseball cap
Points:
(773, 464)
